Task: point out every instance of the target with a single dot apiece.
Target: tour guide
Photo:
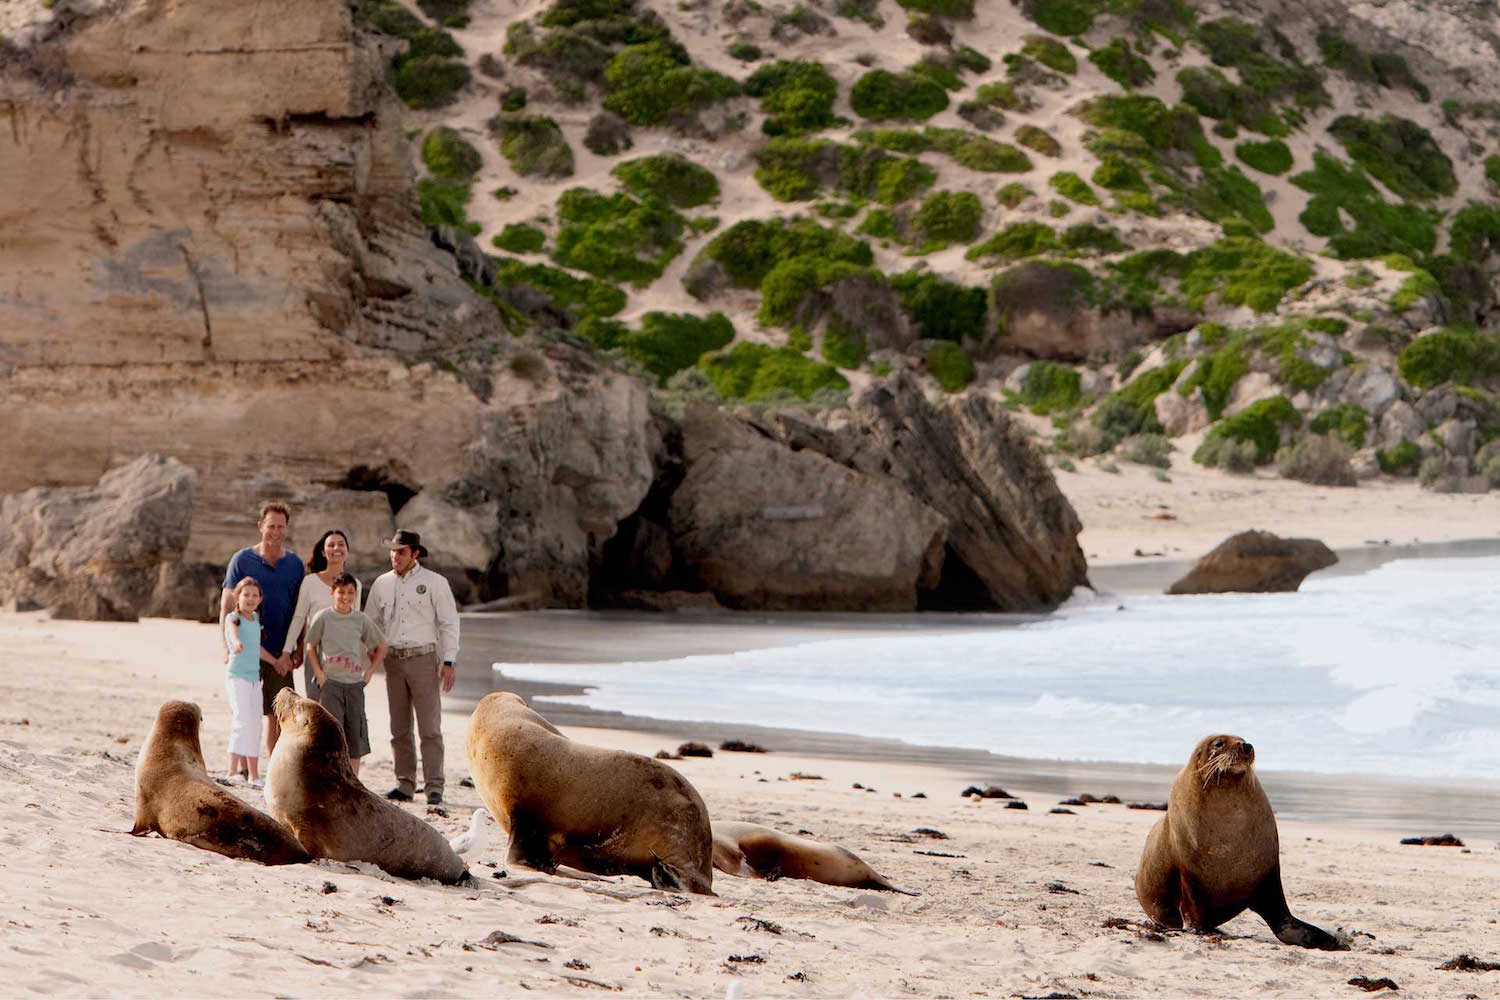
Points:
(414, 607)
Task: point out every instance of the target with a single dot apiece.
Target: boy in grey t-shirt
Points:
(345, 648)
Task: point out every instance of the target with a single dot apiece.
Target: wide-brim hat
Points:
(409, 538)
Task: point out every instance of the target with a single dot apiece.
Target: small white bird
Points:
(474, 839)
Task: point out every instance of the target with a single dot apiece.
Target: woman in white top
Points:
(316, 593)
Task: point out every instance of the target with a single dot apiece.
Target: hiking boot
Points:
(434, 798)
(398, 795)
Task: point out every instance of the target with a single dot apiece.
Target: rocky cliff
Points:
(210, 248)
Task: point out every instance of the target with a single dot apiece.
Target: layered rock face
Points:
(208, 247)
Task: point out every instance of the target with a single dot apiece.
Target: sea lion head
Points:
(321, 735)
(179, 719)
(1222, 757)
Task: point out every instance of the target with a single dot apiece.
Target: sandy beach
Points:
(1013, 903)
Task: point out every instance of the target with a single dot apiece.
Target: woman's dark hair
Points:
(319, 562)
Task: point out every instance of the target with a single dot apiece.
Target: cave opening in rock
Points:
(958, 588)
(639, 554)
(391, 479)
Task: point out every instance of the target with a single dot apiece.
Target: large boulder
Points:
(763, 526)
(1256, 562)
(1012, 540)
(96, 552)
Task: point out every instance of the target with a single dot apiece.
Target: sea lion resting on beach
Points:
(603, 811)
(312, 789)
(175, 797)
(1216, 851)
(754, 851)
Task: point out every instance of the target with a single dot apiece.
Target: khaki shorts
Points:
(346, 703)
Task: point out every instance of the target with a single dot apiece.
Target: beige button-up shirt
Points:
(415, 610)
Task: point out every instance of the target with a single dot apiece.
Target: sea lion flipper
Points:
(1270, 904)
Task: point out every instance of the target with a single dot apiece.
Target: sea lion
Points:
(754, 851)
(603, 811)
(312, 789)
(1216, 852)
(175, 797)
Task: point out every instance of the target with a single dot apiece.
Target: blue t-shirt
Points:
(246, 663)
(278, 591)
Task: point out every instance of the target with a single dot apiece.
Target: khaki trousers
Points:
(412, 685)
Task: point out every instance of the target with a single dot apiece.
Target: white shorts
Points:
(244, 707)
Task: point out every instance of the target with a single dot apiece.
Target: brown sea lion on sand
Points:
(175, 797)
(312, 789)
(754, 851)
(1216, 852)
(603, 811)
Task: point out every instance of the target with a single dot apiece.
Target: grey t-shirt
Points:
(343, 643)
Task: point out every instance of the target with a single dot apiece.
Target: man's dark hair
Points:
(345, 580)
(274, 507)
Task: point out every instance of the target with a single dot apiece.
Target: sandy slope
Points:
(1020, 913)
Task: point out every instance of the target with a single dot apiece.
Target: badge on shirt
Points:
(421, 588)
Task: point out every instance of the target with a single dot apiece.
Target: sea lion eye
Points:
(1218, 744)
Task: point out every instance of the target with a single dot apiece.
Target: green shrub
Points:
(1387, 69)
(1062, 17)
(1415, 288)
(1035, 139)
(889, 180)
(1243, 271)
(669, 342)
(1012, 194)
(520, 238)
(882, 224)
(950, 365)
(534, 145)
(428, 82)
(881, 95)
(1399, 153)
(1226, 196)
(1379, 227)
(1050, 52)
(1347, 420)
(1475, 233)
(948, 217)
(616, 236)
(1452, 354)
(1015, 242)
(745, 52)
(977, 152)
(1492, 170)
(1217, 374)
(944, 310)
(748, 250)
(960, 10)
(1227, 454)
(670, 178)
(1074, 188)
(1401, 459)
(1118, 174)
(1085, 236)
(1151, 449)
(444, 203)
(1050, 388)
(576, 297)
(754, 371)
(796, 169)
(1131, 409)
(789, 286)
(844, 345)
(1002, 96)
(941, 71)
(654, 81)
(1118, 62)
(449, 157)
(1259, 423)
(797, 97)
(1271, 157)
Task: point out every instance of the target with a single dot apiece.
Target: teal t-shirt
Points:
(237, 628)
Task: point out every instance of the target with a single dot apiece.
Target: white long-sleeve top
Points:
(313, 596)
(415, 610)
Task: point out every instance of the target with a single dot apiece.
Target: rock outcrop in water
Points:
(1256, 562)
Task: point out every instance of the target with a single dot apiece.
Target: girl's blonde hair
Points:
(245, 583)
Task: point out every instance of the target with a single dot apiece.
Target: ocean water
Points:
(1393, 672)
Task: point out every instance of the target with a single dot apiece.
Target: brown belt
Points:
(407, 652)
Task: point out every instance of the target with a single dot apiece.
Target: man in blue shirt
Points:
(279, 573)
